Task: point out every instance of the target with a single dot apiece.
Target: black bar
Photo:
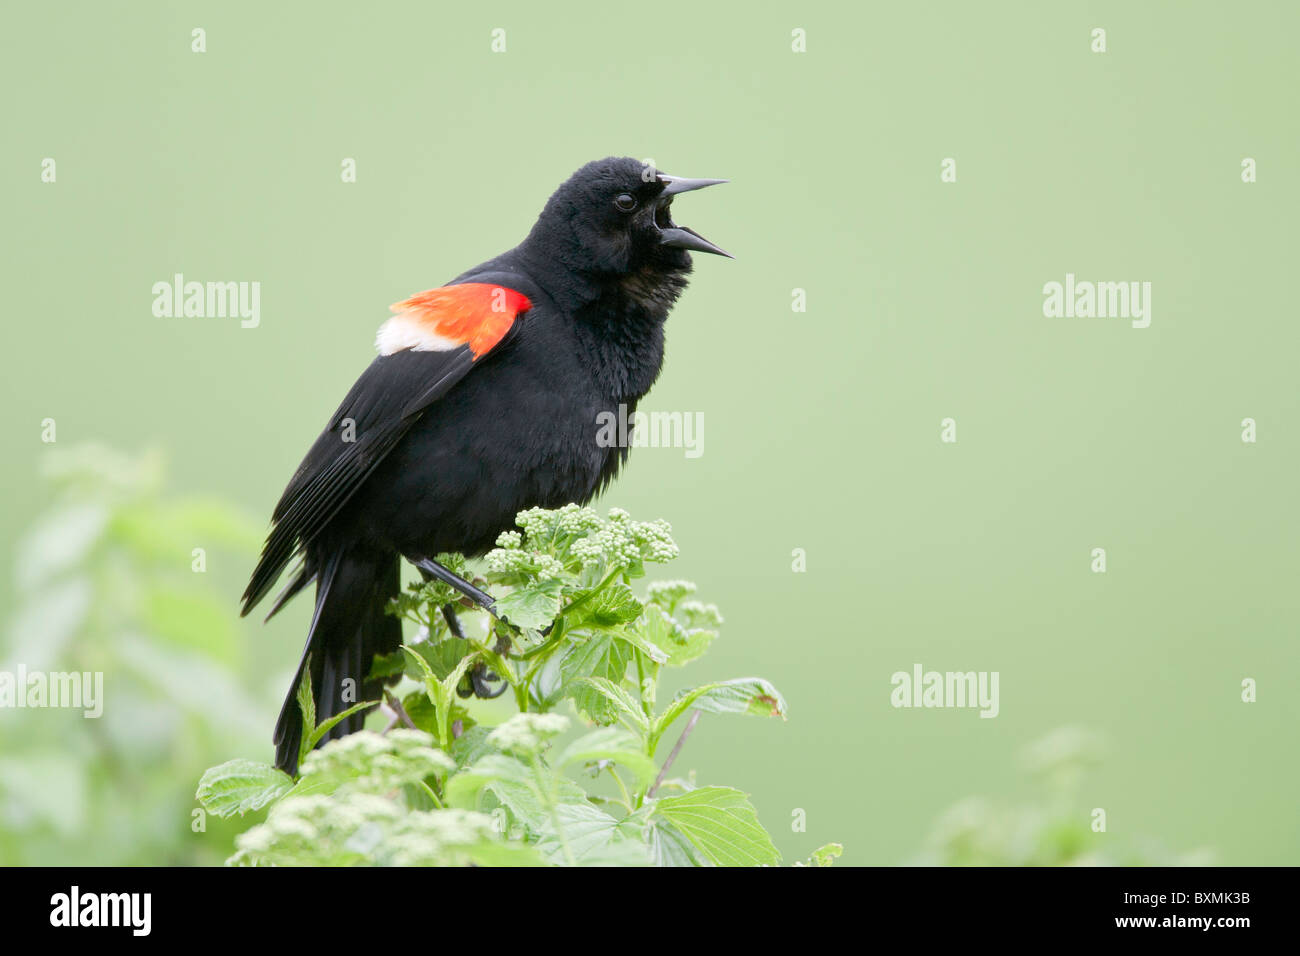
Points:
(979, 905)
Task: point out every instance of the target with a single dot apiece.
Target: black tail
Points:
(348, 628)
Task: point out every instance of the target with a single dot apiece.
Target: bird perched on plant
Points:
(484, 401)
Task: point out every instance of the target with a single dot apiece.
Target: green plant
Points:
(1056, 828)
(117, 577)
(448, 789)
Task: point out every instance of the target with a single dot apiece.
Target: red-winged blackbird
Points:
(484, 401)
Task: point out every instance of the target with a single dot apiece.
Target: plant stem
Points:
(663, 772)
(432, 796)
(627, 799)
(647, 705)
(544, 787)
(396, 706)
(593, 592)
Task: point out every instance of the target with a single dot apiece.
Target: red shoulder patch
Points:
(477, 314)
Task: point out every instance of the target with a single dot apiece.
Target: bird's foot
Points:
(479, 680)
(431, 569)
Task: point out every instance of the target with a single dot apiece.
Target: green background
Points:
(822, 428)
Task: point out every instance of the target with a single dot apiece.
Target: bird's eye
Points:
(625, 202)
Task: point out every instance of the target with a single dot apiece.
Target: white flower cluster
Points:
(306, 824)
(698, 615)
(667, 593)
(527, 734)
(578, 534)
(376, 763)
(431, 838)
(510, 539)
(620, 542)
(354, 826)
(512, 559)
(543, 527)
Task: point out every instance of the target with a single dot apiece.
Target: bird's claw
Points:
(480, 683)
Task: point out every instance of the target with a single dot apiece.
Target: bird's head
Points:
(613, 217)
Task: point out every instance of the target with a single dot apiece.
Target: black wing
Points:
(388, 397)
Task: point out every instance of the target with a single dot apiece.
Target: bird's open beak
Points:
(677, 236)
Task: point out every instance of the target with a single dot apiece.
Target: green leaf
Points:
(593, 837)
(448, 696)
(670, 847)
(744, 695)
(424, 671)
(531, 606)
(644, 644)
(625, 708)
(307, 707)
(238, 786)
(609, 743)
(526, 805)
(681, 644)
(311, 786)
(469, 746)
(610, 607)
(441, 656)
(521, 799)
(421, 711)
(499, 853)
(425, 717)
(826, 855)
(602, 656)
(442, 693)
(722, 824)
(691, 646)
(387, 665)
(463, 788)
(321, 730)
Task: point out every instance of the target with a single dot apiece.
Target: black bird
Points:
(483, 401)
